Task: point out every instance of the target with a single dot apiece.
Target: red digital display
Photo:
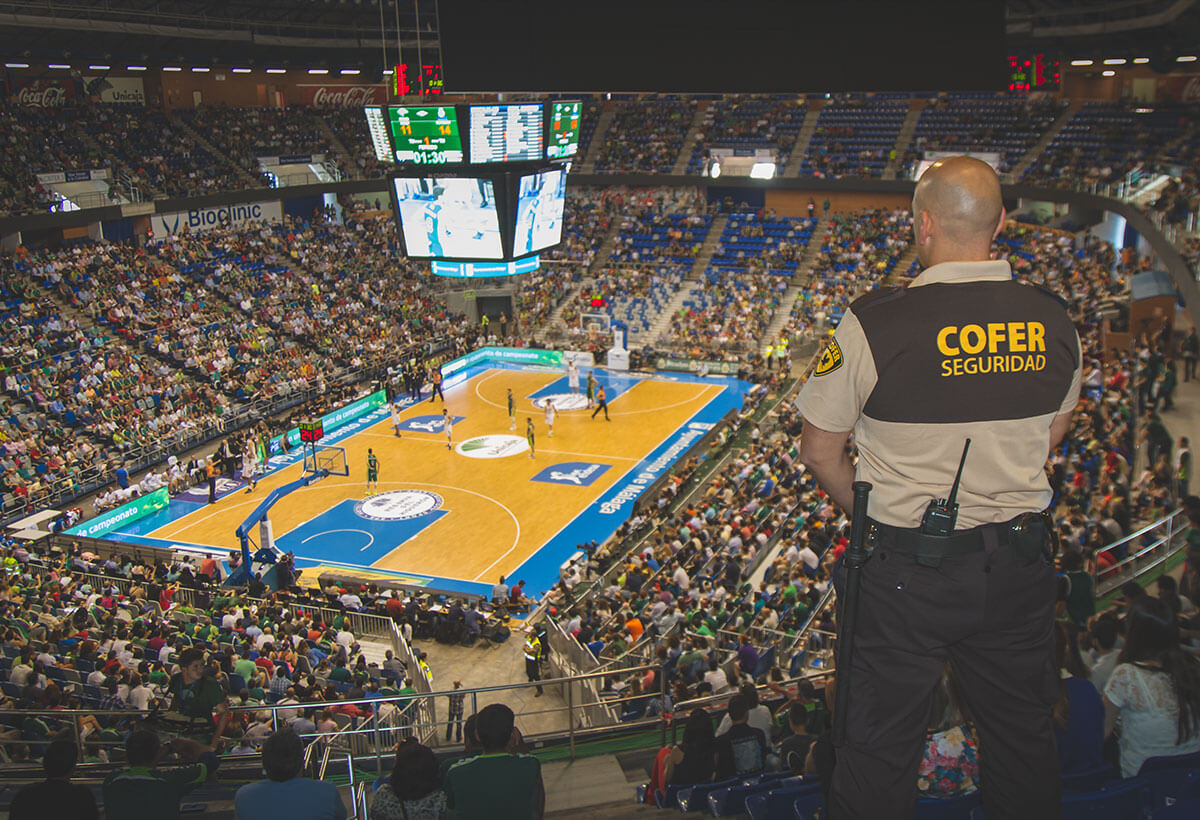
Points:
(428, 80)
(311, 431)
(1033, 73)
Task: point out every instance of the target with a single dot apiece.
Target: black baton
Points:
(855, 557)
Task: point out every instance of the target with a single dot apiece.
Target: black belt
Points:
(933, 548)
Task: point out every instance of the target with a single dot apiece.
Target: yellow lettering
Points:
(946, 369)
(1041, 361)
(943, 343)
(1037, 336)
(998, 365)
(995, 332)
(1031, 363)
(972, 338)
(958, 367)
(1016, 337)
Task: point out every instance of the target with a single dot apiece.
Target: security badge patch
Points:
(831, 359)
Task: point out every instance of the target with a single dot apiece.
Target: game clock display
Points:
(564, 130)
(311, 431)
(425, 134)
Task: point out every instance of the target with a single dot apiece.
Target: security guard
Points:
(533, 654)
(965, 352)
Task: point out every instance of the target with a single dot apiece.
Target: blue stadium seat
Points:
(948, 808)
(779, 803)
(1131, 798)
(1168, 776)
(1089, 781)
(1187, 810)
(732, 800)
(694, 798)
(809, 806)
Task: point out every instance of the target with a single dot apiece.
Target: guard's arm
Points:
(824, 453)
(1059, 429)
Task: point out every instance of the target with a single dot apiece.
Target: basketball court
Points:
(457, 517)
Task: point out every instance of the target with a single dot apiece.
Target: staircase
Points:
(693, 136)
(552, 320)
(1041, 145)
(783, 313)
(588, 166)
(809, 259)
(662, 322)
(800, 148)
(221, 156)
(904, 138)
(604, 252)
(349, 166)
(711, 242)
(899, 274)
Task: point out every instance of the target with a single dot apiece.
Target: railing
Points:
(1142, 552)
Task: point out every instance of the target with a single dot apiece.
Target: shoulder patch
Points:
(831, 359)
(877, 297)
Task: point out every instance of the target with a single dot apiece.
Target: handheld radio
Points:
(941, 514)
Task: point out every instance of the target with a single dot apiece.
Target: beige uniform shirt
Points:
(964, 352)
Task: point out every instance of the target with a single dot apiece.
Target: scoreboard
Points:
(506, 133)
(377, 126)
(425, 134)
(564, 130)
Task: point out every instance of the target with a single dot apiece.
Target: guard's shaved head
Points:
(962, 195)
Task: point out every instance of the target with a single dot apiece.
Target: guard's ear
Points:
(1000, 227)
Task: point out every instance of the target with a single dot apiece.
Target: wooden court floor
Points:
(497, 515)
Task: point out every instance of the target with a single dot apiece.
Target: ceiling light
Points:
(351, 71)
(63, 66)
(99, 67)
(1109, 73)
(172, 68)
(387, 71)
(1082, 62)
(1141, 60)
(1187, 58)
(135, 68)
(201, 69)
(16, 65)
(318, 71)
(277, 71)
(241, 70)
(1115, 61)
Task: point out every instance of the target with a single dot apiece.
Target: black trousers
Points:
(533, 671)
(992, 619)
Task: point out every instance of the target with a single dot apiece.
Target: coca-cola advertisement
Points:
(342, 96)
(43, 92)
(1184, 88)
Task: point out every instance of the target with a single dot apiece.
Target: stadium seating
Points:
(854, 137)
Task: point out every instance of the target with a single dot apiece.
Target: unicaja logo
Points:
(351, 97)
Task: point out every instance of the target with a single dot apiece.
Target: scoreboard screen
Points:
(425, 134)
(448, 217)
(506, 133)
(540, 201)
(1033, 72)
(564, 130)
(377, 126)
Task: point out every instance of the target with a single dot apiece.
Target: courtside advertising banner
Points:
(123, 515)
(206, 219)
(515, 355)
(336, 419)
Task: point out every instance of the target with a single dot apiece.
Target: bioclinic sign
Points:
(341, 96)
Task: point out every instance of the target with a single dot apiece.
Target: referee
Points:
(964, 353)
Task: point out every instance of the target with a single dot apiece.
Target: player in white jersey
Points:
(550, 414)
(573, 377)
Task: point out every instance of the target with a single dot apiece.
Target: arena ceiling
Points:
(347, 33)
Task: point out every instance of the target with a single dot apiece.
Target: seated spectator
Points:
(950, 765)
(477, 786)
(56, 796)
(1078, 715)
(694, 759)
(1154, 690)
(284, 793)
(145, 792)
(413, 791)
(760, 716)
(741, 751)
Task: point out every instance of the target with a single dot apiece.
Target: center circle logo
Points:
(562, 401)
(498, 446)
(398, 505)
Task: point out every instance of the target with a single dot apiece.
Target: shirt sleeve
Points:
(1117, 688)
(833, 397)
(1072, 397)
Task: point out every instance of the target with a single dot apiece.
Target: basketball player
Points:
(372, 470)
(529, 434)
(550, 413)
(573, 377)
(512, 411)
(396, 420)
(250, 464)
(448, 428)
(601, 404)
(591, 389)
